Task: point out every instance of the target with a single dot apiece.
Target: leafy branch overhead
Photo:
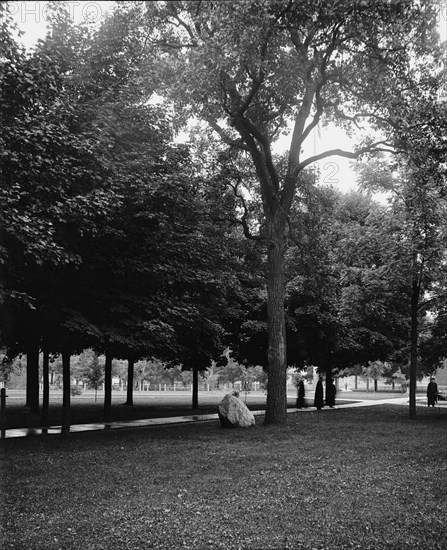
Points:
(252, 70)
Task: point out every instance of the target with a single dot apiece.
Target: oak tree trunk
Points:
(195, 388)
(66, 379)
(32, 376)
(329, 382)
(108, 388)
(414, 346)
(276, 408)
(130, 373)
(46, 386)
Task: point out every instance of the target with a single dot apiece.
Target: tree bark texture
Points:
(276, 407)
(130, 373)
(32, 376)
(108, 388)
(329, 382)
(46, 386)
(66, 380)
(414, 346)
(195, 388)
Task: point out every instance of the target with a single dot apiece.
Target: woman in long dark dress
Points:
(300, 399)
(432, 392)
(318, 400)
(330, 394)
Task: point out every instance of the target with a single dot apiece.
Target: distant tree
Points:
(91, 369)
(231, 371)
(375, 370)
(6, 368)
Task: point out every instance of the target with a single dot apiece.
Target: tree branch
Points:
(243, 220)
(300, 132)
(257, 134)
(238, 143)
(347, 154)
(181, 23)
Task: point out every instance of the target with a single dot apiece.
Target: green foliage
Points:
(76, 390)
(126, 256)
(48, 168)
(6, 368)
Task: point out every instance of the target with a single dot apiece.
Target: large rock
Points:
(233, 413)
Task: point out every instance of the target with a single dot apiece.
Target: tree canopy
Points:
(252, 70)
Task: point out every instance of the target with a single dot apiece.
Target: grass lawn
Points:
(85, 409)
(364, 478)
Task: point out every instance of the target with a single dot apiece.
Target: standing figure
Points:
(319, 401)
(300, 399)
(331, 390)
(432, 392)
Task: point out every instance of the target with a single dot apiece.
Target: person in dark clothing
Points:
(318, 400)
(330, 394)
(300, 399)
(432, 392)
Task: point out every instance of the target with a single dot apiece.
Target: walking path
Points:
(145, 422)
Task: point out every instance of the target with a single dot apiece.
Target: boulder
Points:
(233, 413)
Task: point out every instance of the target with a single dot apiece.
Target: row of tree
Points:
(116, 237)
(87, 370)
(110, 239)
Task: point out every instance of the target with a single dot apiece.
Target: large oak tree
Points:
(254, 70)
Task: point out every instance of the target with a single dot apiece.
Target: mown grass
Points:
(341, 479)
(86, 410)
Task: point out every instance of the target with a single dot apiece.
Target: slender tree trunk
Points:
(414, 346)
(32, 377)
(108, 388)
(195, 388)
(276, 407)
(46, 386)
(66, 380)
(130, 371)
(329, 381)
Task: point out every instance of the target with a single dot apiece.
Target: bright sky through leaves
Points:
(336, 171)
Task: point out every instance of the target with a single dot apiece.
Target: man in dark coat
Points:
(318, 400)
(330, 394)
(300, 399)
(432, 392)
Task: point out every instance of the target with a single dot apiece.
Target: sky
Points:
(337, 171)
(31, 16)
